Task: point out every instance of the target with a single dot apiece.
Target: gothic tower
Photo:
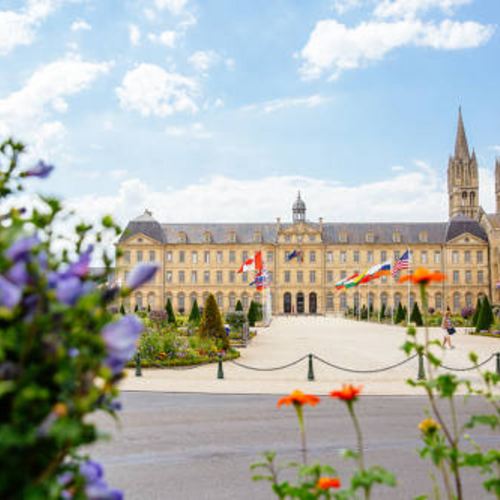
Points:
(497, 183)
(463, 180)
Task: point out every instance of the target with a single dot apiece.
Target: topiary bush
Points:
(239, 306)
(195, 316)
(400, 314)
(253, 314)
(476, 312)
(416, 316)
(170, 312)
(485, 317)
(236, 320)
(211, 323)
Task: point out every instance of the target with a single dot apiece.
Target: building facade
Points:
(198, 259)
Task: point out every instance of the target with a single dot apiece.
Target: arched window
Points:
(343, 301)
(151, 300)
(356, 301)
(220, 301)
(257, 297)
(138, 300)
(456, 301)
(397, 300)
(438, 301)
(329, 301)
(468, 299)
(192, 298)
(232, 301)
(244, 301)
(371, 300)
(383, 299)
(180, 303)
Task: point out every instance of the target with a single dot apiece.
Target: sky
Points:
(221, 110)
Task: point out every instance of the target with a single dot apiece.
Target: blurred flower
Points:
(69, 290)
(97, 488)
(325, 483)
(39, 170)
(18, 274)
(422, 276)
(428, 426)
(80, 268)
(10, 294)
(140, 275)
(73, 352)
(120, 339)
(21, 249)
(347, 393)
(298, 398)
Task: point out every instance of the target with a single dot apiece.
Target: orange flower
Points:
(299, 398)
(422, 276)
(348, 393)
(325, 483)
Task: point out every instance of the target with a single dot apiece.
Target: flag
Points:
(258, 262)
(293, 255)
(248, 265)
(340, 284)
(402, 263)
(385, 270)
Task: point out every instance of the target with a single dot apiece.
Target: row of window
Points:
(422, 257)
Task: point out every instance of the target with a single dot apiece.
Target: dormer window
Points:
(257, 237)
(182, 237)
(422, 236)
(343, 237)
(232, 237)
(288, 238)
(299, 238)
(312, 237)
(369, 237)
(396, 237)
(207, 237)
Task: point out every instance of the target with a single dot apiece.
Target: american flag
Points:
(402, 263)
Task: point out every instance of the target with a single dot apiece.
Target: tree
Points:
(239, 306)
(122, 310)
(405, 313)
(476, 312)
(364, 312)
(170, 312)
(211, 323)
(485, 318)
(382, 311)
(253, 314)
(136, 308)
(416, 316)
(400, 314)
(149, 308)
(195, 316)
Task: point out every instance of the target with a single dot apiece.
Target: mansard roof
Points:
(144, 224)
(461, 224)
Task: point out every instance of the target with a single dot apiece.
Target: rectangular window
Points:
(468, 277)
(126, 275)
(206, 257)
(329, 301)
(423, 257)
(206, 277)
(343, 274)
(152, 256)
(437, 257)
(219, 257)
(312, 276)
(329, 276)
(454, 257)
(456, 277)
(270, 276)
(232, 276)
(312, 256)
(127, 257)
(244, 256)
(168, 276)
(342, 257)
(356, 256)
(181, 277)
(300, 276)
(480, 277)
(169, 257)
(182, 256)
(232, 257)
(194, 257)
(287, 276)
(219, 276)
(396, 256)
(287, 253)
(479, 257)
(369, 257)
(329, 256)
(139, 256)
(194, 276)
(467, 257)
(244, 277)
(270, 257)
(383, 255)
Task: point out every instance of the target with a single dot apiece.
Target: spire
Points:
(461, 147)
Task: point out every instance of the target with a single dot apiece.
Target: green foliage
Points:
(239, 306)
(400, 314)
(485, 318)
(416, 316)
(382, 311)
(136, 308)
(170, 312)
(253, 314)
(195, 316)
(364, 312)
(476, 312)
(211, 325)
(149, 308)
(236, 320)
(122, 310)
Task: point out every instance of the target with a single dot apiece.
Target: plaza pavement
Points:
(351, 344)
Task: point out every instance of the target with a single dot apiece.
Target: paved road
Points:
(351, 344)
(197, 446)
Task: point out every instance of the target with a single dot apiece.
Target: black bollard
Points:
(138, 367)
(498, 363)
(421, 370)
(220, 371)
(310, 371)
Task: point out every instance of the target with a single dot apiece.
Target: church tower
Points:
(497, 184)
(463, 180)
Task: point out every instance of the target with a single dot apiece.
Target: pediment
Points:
(465, 239)
(301, 232)
(140, 239)
(301, 228)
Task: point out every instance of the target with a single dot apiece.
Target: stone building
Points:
(197, 259)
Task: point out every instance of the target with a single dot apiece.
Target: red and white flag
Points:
(248, 265)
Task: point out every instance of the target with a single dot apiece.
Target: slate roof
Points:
(462, 224)
(494, 220)
(146, 225)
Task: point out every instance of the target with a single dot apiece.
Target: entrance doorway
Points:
(313, 303)
(300, 302)
(287, 303)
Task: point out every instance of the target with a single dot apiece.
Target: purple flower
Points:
(140, 275)
(73, 352)
(10, 295)
(80, 268)
(39, 170)
(97, 488)
(92, 471)
(18, 274)
(69, 290)
(20, 249)
(120, 339)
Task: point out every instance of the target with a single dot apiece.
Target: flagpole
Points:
(378, 301)
(409, 270)
(368, 303)
(392, 296)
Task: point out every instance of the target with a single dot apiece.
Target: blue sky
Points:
(221, 109)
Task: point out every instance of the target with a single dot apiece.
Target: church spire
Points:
(461, 146)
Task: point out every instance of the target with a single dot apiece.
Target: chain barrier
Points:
(257, 369)
(378, 370)
(455, 369)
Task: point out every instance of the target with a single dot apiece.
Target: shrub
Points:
(382, 311)
(158, 316)
(170, 312)
(416, 316)
(122, 310)
(211, 323)
(467, 312)
(364, 312)
(485, 318)
(253, 314)
(239, 306)
(400, 314)
(476, 312)
(195, 316)
(136, 308)
(236, 320)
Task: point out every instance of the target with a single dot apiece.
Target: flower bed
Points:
(164, 362)
(495, 334)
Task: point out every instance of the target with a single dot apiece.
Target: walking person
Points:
(447, 325)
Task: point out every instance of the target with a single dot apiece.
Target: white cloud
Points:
(81, 26)
(196, 130)
(134, 34)
(410, 8)
(342, 6)
(495, 148)
(18, 28)
(167, 38)
(174, 6)
(397, 168)
(118, 174)
(203, 60)
(151, 90)
(334, 47)
(288, 102)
